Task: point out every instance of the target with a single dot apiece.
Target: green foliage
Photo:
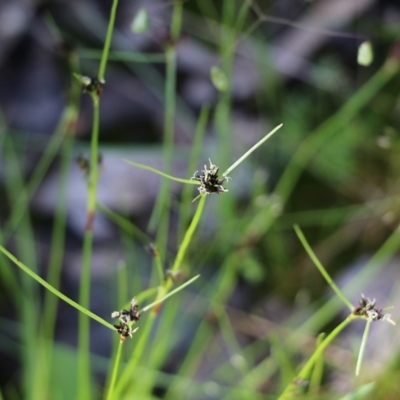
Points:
(140, 23)
(187, 291)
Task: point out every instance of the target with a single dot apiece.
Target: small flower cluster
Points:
(125, 317)
(92, 84)
(209, 181)
(367, 308)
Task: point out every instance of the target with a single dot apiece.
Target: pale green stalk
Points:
(162, 294)
(84, 376)
(362, 347)
(248, 152)
(222, 113)
(21, 204)
(293, 389)
(321, 268)
(171, 293)
(123, 283)
(56, 292)
(188, 236)
(25, 244)
(163, 174)
(54, 271)
(67, 131)
(110, 395)
(160, 216)
(318, 370)
(107, 43)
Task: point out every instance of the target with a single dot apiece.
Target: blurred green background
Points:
(244, 328)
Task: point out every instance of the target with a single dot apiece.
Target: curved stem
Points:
(291, 390)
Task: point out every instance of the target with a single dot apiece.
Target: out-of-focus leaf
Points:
(252, 271)
(140, 23)
(365, 54)
(219, 79)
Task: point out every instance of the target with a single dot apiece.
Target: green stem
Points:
(160, 216)
(291, 390)
(21, 204)
(321, 268)
(110, 395)
(84, 380)
(25, 248)
(178, 289)
(55, 261)
(317, 373)
(161, 173)
(188, 235)
(107, 43)
(362, 347)
(56, 292)
(248, 152)
(161, 295)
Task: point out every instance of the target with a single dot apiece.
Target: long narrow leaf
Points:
(54, 290)
(156, 171)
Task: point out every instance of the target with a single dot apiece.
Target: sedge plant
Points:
(129, 364)
(366, 310)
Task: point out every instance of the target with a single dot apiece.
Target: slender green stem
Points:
(122, 282)
(305, 371)
(321, 268)
(316, 376)
(162, 294)
(25, 247)
(55, 263)
(171, 293)
(291, 390)
(248, 152)
(20, 205)
(56, 292)
(160, 216)
(163, 174)
(84, 289)
(159, 268)
(362, 347)
(188, 235)
(176, 22)
(107, 43)
(110, 395)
